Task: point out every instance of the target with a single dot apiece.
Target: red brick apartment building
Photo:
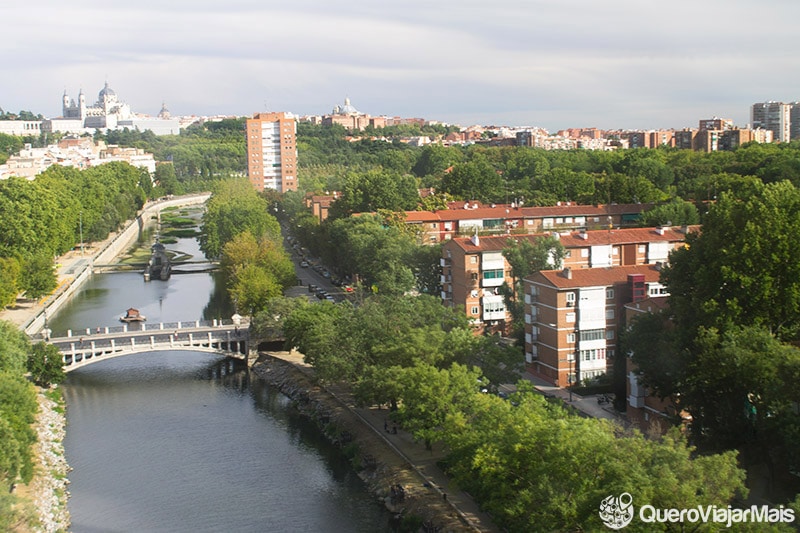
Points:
(465, 218)
(272, 152)
(320, 204)
(474, 268)
(572, 318)
(643, 410)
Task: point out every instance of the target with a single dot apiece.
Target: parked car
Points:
(312, 287)
(304, 264)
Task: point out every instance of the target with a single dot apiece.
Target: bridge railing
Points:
(137, 327)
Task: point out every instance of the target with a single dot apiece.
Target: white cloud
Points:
(628, 63)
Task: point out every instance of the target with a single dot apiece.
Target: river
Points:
(184, 441)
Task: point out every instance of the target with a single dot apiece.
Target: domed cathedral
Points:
(351, 118)
(105, 113)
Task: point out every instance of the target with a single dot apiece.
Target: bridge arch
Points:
(100, 344)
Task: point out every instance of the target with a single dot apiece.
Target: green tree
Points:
(233, 208)
(474, 180)
(429, 395)
(167, 180)
(675, 213)
(14, 347)
(741, 268)
(435, 159)
(17, 412)
(374, 190)
(536, 468)
(38, 275)
(526, 256)
(255, 271)
(9, 281)
(267, 324)
(46, 364)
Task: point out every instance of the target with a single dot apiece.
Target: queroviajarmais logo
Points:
(616, 512)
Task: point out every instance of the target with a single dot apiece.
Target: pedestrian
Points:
(394, 429)
(385, 426)
(444, 496)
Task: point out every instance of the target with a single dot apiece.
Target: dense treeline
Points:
(200, 155)
(328, 162)
(238, 229)
(726, 351)
(529, 462)
(45, 217)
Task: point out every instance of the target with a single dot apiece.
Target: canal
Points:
(183, 441)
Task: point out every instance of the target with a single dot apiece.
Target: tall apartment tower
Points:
(772, 116)
(794, 118)
(272, 151)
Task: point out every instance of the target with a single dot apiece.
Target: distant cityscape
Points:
(272, 158)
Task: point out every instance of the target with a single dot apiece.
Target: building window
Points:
(642, 249)
(584, 252)
(570, 299)
(609, 334)
(592, 335)
(473, 259)
(570, 317)
(609, 294)
(570, 338)
(493, 274)
(475, 310)
(610, 314)
(568, 254)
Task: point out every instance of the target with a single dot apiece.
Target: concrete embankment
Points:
(75, 271)
(380, 465)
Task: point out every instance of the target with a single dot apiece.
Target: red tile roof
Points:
(506, 211)
(594, 277)
(575, 239)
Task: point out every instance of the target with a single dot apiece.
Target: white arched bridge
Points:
(225, 337)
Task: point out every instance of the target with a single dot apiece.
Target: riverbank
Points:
(384, 462)
(48, 488)
(48, 492)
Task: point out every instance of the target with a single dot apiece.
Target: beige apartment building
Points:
(272, 151)
(474, 268)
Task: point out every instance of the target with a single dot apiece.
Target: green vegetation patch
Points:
(177, 221)
(180, 233)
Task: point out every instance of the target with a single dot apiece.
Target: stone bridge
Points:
(92, 345)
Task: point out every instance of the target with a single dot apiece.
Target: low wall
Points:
(118, 244)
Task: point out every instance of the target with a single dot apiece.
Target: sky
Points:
(614, 64)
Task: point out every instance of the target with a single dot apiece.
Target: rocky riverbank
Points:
(48, 488)
(381, 467)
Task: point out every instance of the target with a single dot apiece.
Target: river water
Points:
(184, 441)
